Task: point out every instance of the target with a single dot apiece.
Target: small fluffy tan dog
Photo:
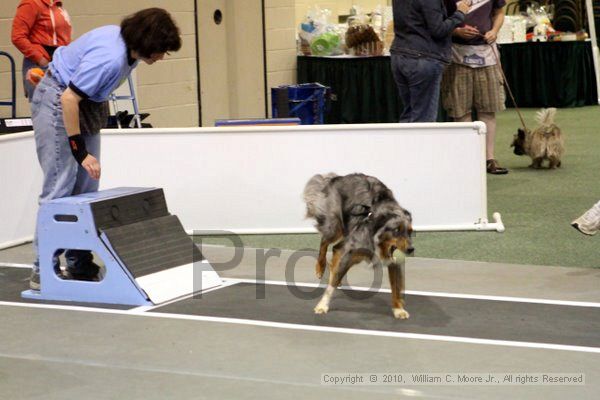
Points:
(544, 143)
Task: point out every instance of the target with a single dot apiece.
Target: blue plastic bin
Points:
(306, 101)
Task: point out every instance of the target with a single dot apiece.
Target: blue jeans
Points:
(418, 80)
(62, 175)
(29, 88)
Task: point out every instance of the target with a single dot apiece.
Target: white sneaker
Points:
(589, 222)
(34, 281)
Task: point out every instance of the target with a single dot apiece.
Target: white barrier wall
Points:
(20, 186)
(250, 179)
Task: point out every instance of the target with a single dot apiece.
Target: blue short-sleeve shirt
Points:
(95, 64)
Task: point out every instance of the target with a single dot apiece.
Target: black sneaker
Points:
(88, 273)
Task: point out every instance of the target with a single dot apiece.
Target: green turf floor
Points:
(537, 206)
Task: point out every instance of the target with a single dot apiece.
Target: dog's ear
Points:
(382, 194)
(380, 221)
(360, 210)
(521, 134)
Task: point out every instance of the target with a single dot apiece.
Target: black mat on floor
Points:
(484, 319)
(14, 280)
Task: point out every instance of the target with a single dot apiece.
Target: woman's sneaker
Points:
(34, 280)
(88, 273)
(588, 223)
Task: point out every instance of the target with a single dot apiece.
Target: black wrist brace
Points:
(77, 145)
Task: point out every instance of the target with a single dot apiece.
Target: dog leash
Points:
(508, 87)
(510, 93)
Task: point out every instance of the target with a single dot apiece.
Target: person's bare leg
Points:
(490, 123)
(464, 118)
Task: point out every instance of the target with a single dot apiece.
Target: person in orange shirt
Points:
(39, 27)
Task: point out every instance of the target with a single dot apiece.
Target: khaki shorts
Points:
(465, 88)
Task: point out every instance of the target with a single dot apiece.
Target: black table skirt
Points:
(552, 74)
(364, 89)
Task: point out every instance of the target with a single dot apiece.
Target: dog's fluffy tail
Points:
(314, 196)
(545, 117)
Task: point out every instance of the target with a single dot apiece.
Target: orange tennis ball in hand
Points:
(35, 75)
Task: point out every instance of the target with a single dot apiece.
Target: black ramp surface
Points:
(124, 210)
(15, 280)
(482, 319)
(153, 245)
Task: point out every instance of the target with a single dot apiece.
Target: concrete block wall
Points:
(281, 43)
(167, 89)
(7, 12)
(337, 7)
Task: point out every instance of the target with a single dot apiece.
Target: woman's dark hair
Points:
(150, 31)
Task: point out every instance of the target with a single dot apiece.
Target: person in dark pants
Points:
(419, 53)
(69, 109)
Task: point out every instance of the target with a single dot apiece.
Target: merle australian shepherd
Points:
(359, 216)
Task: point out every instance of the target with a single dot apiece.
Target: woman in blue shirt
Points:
(69, 107)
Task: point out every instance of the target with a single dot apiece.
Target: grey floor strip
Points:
(14, 280)
(481, 319)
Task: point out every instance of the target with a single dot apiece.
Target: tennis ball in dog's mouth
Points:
(399, 256)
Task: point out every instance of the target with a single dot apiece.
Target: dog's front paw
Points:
(320, 270)
(321, 309)
(400, 313)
